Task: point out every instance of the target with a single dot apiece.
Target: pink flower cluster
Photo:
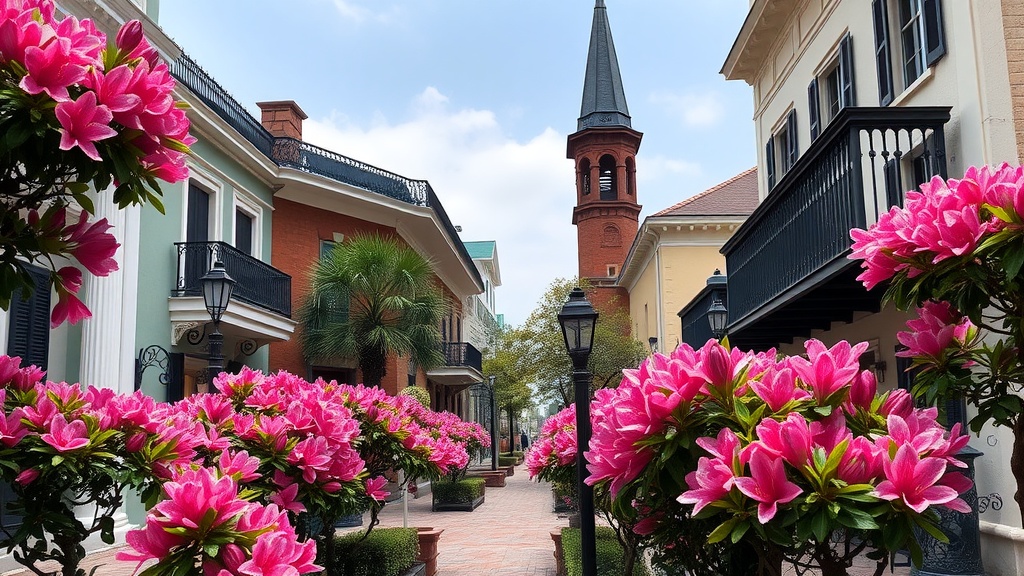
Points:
(100, 91)
(88, 242)
(937, 332)
(945, 220)
(203, 517)
(790, 429)
(555, 447)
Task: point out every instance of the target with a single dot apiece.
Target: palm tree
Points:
(371, 297)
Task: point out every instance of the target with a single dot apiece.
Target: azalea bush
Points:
(77, 112)
(552, 456)
(65, 448)
(782, 455)
(955, 251)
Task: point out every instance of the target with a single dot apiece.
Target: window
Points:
(781, 151)
(243, 231)
(28, 331)
(584, 177)
(832, 89)
(606, 178)
(909, 35)
(612, 270)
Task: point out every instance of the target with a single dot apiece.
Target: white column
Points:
(102, 359)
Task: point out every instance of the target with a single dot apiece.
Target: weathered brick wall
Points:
(1013, 32)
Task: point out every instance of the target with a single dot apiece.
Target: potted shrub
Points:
(384, 552)
(611, 558)
(464, 495)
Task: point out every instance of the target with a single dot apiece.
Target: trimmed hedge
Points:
(610, 561)
(507, 460)
(385, 552)
(460, 492)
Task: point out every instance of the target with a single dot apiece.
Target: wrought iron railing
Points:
(256, 282)
(309, 158)
(462, 354)
(857, 168)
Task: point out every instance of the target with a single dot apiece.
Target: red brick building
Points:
(325, 198)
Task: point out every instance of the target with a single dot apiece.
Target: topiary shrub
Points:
(385, 552)
(421, 395)
(507, 460)
(610, 561)
(460, 492)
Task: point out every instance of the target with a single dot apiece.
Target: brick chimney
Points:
(282, 118)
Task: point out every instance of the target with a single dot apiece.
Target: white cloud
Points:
(694, 110)
(520, 194)
(354, 11)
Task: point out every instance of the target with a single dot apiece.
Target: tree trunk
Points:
(373, 363)
(1017, 462)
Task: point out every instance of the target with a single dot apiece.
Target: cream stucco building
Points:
(856, 101)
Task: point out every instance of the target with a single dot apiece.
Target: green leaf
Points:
(820, 525)
(857, 519)
(738, 533)
(1013, 259)
(723, 530)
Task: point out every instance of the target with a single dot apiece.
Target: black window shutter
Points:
(243, 232)
(176, 377)
(28, 334)
(847, 96)
(934, 37)
(813, 112)
(793, 150)
(883, 57)
(769, 161)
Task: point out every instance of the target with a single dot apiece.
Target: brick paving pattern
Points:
(508, 535)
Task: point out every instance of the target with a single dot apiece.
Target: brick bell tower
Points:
(604, 149)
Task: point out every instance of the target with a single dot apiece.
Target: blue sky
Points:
(478, 97)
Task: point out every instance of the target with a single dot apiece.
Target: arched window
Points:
(611, 238)
(584, 177)
(609, 187)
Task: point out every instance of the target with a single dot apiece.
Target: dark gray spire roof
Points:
(604, 100)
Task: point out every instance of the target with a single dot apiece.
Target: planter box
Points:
(456, 506)
(492, 479)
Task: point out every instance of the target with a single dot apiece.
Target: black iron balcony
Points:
(257, 282)
(694, 316)
(462, 354)
(186, 71)
(798, 238)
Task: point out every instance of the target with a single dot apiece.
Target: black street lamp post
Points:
(494, 426)
(217, 289)
(577, 319)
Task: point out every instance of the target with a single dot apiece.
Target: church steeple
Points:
(604, 149)
(604, 100)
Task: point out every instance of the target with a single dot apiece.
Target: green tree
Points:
(512, 377)
(371, 297)
(542, 344)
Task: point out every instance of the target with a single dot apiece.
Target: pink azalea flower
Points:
(26, 477)
(83, 123)
(286, 498)
(914, 481)
(861, 463)
(240, 466)
(276, 554)
(778, 388)
(51, 69)
(92, 245)
(767, 484)
(65, 436)
(790, 439)
(68, 307)
(827, 370)
(375, 488)
(709, 483)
